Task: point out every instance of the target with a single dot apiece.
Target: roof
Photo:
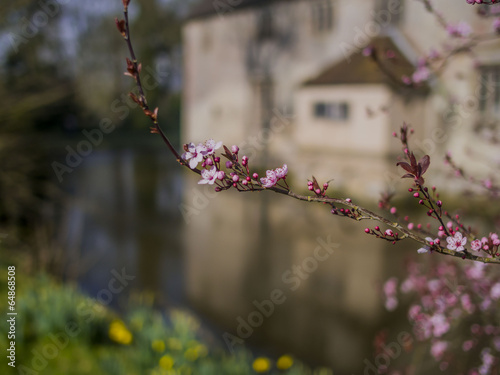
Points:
(359, 69)
(206, 8)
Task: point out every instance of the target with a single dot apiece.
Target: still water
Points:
(264, 271)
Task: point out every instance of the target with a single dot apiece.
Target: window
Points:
(322, 15)
(331, 111)
(489, 98)
(265, 24)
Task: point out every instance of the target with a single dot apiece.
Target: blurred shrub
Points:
(61, 331)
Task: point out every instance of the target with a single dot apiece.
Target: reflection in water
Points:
(230, 253)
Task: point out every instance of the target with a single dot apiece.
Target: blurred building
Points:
(287, 81)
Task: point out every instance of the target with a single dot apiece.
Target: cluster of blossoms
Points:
(489, 2)
(273, 176)
(237, 172)
(460, 30)
(454, 313)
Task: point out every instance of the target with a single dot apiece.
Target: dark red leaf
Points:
(424, 163)
(407, 167)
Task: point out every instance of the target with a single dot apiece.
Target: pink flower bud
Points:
(377, 228)
(416, 195)
(255, 175)
(235, 149)
(367, 230)
(236, 178)
(209, 162)
(393, 210)
(317, 191)
(229, 164)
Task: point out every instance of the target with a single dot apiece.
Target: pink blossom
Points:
(211, 146)
(476, 245)
(439, 325)
(406, 80)
(390, 286)
(391, 303)
(496, 343)
(467, 345)
(495, 291)
(209, 176)
(462, 29)
(457, 242)
(467, 303)
(221, 175)
(407, 286)
(438, 348)
(435, 285)
(426, 249)
(270, 180)
(194, 154)
(485, 304)
(475, 271)
(281, 172)
(421, 74)
(496, 25)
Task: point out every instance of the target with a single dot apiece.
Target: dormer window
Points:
(333, 111)
(322, 15)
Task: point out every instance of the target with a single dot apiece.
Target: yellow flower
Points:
(284, 362)
(119, 333)
(261, 364)
(191, 354)
(166, 362)
(201, 349)
(158, 346)
(323, 371)
(174, 343)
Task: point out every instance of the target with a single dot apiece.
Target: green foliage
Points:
(144, 341)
